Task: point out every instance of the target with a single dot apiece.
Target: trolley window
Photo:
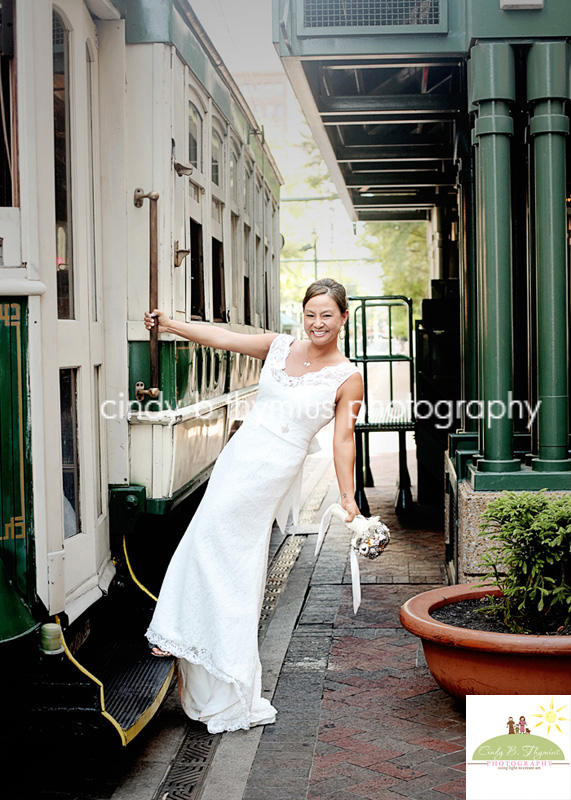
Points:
(218, 291)
(62, 160)
(70, 452)
(194, 137)
(196, 272)
(217, 161)
(7, 154)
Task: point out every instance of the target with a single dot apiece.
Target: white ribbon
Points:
(355, 581)
(358, 526)
(292, 500)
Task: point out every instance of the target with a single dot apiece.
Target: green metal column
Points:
(547, 90)
(475, 423)
(468, 293)
(478, 263)
(493, 75)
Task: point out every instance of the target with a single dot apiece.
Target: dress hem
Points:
(202, 658)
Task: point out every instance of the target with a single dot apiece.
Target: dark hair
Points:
(327, 286)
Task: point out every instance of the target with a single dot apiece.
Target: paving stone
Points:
(436, 744)
(275, 793)
(455, 788)
(333, 784)
(321, 605)
(345, 795)
(325, 748)
(398, 771)
(370, 787)
(452, 759)
(416, 755)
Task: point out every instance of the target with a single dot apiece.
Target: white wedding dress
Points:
(209, 606)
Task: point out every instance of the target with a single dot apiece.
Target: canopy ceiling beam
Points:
(400, 152)
(372, 118)
(424, 198)
(388, 64)
(393, 215)
(365, 180)
(390, 104)
(352, 137)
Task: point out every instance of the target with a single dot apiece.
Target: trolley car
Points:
(133, 174)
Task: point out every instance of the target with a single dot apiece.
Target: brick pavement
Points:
(360, 716)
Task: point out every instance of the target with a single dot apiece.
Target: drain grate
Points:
(190, 766)
(277, 578)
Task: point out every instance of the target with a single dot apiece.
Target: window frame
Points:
(69, 61)
(198, 165)
(194, 96)
(218, 189)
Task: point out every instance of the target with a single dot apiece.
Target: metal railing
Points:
(396, 414)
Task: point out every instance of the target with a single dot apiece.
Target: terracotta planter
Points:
(465, 661)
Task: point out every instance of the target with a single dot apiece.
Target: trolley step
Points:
(134, 682)
(111, 681)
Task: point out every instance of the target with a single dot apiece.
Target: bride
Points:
(209, 605)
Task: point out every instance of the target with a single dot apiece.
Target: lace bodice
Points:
(332, 376)
(296, 408)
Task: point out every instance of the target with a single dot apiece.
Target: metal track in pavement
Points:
(278, 574)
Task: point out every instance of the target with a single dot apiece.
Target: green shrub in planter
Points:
(530, 560)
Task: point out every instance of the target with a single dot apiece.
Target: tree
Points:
(306, 174)
(403, 254)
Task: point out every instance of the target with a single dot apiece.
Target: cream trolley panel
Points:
(80, 341)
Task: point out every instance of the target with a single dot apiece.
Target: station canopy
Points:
(387, 123)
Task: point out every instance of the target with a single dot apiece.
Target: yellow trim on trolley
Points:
(127, 735)
(132, 574)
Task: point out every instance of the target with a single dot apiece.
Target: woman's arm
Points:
(251, 344)
(349, 399)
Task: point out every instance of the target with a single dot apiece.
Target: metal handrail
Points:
(153, 391)
(363, 427)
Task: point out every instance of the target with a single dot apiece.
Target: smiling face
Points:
(322, 319)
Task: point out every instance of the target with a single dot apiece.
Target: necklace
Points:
(309, 363)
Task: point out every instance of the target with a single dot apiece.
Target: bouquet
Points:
(371, 536)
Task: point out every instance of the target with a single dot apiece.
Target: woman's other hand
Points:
(159, 316)
(351, 508)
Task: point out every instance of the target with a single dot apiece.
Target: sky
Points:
(241, 31)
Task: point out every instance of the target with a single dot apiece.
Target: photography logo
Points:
(518, 746)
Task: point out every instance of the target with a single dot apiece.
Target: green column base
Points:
(525, 480)
(551, 465)
(500, 465)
